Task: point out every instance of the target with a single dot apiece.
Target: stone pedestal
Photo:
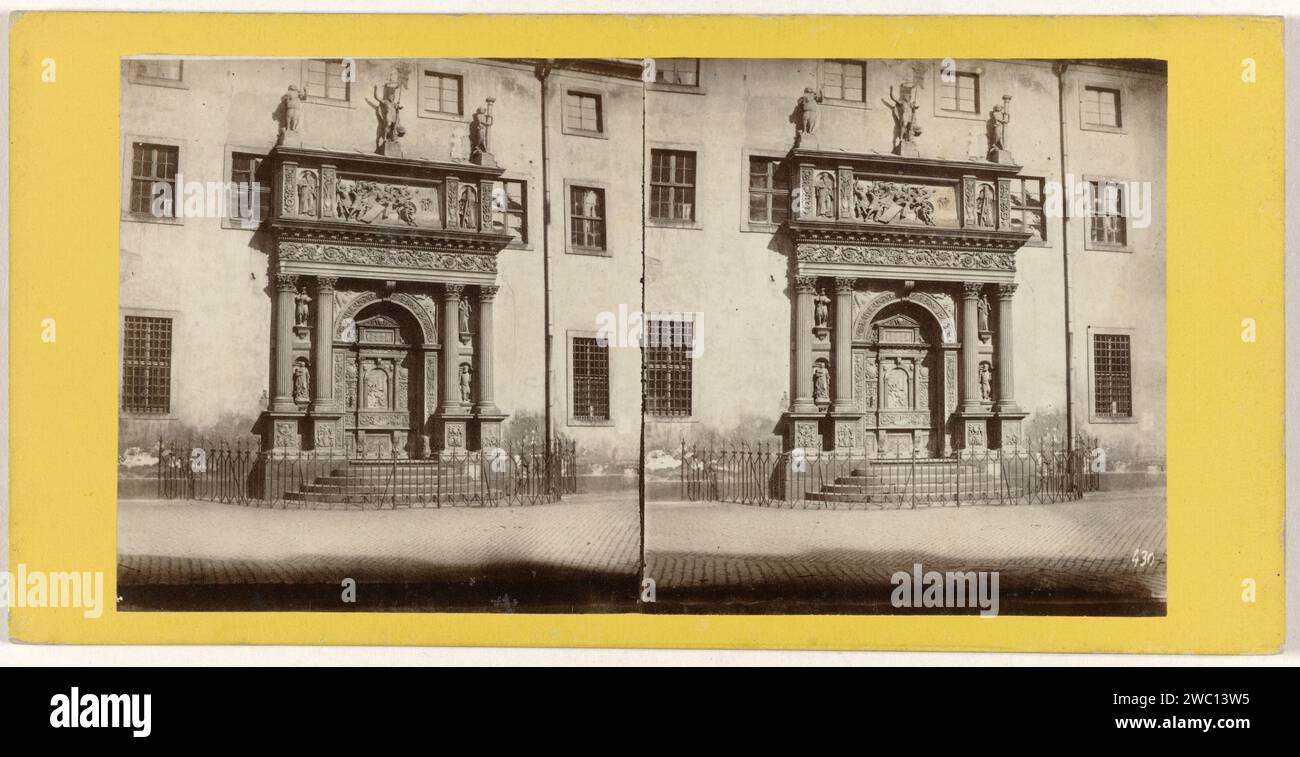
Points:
(804, 431)
(1001, 156)
(391, 148)
(487, 431)
(1009, 431)
(283, 432)
(483, 159)
(328, 434)
(907, 149)
(846, 433)
(974, 430)
(452, 434)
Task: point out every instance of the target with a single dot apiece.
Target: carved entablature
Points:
(382, 217)
(895, 216)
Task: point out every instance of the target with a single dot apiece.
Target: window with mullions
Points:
(672, 185)
(1107, 224)
(583, 113)
(326, 80)
(511, 210)
(769, 191)
(250, 191)
(1101, 107)
(587, 218)
(684, 72)
(153, 177)
(1112, 371)
(590, 376)
(843, 80)
(1027, 208)
(441, 94)
(668, 367)
(147, 365)
(961, 94)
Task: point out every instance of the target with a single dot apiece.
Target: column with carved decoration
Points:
(846, 414)
(327, 434)
(451, 422)
(973, 426)
(286, 289)
(489, 415)
(1008, 412)
(804, 287)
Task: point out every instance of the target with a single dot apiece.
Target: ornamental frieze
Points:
(384, 257)
(905, 256)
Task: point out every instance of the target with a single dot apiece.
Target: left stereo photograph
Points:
(360, 367)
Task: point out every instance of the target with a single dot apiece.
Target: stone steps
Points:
(375, 501)
(949, 497)
(432, 488)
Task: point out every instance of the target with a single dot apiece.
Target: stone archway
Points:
(903, 381)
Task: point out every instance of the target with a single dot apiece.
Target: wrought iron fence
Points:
(241, 473)
(760, 475)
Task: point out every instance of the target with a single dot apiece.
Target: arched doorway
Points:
(381, 362)
(903, 382)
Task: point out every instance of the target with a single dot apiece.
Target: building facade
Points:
(393, 282)
(911, 257)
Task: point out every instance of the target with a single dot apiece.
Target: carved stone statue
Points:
(821, 382)
(468, 211)
(905, 125)
(480, 129)
(806, 125)
(291, 107)
(984, 206)
(300, 308)
(821, 309)
(307, 193)
(986, 382)
(376, 390)
(389, 97)
(465, 382)
(300, 377)
(997, 132)
(983, 309)
(464, 315)
(825, 195)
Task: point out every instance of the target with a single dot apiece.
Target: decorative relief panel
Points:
(888, 202)
(387, 203)
(431, 380)
(907, 256)
(289, 189)
(806, 193)
(387, 257)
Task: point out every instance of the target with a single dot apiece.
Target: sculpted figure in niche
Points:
(300, 377)
(300, 308)
(985, 206)
(465, 382)
(307, 193)
(821, 382)
(821, 309)
(464, 315)
(808, 113)
(986, 382)
(468, 207)
(825, 193)
(377, 390)
(896, 394)
(983, 309)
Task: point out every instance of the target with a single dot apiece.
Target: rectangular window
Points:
(769, 191)
(1027, 208)
(1112, 376)
(441, 93)
(1101, 107)
(668, 348)
(590, 379)
(587, 218)
(147, 365)
(1107, 226)
(153, 177)
(684, 72)
(250, 188)
(325, 81)
(582, 112)
(672, 185)
(169, 71)
(510, 214)
(843, 80)
(962, 94)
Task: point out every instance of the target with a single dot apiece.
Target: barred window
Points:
(769, 191)
(1107, 225)
(590, 379)
(962, 94)
(672, 185)
(1101, 107)
(587, 218)
(146, 365)
(326, 80)
(510, 214)
(441, 93)
(1027, 208)
(1112, 376)
(582, 112)
(681, 71)
(668, 368)
(152, 167)
(843, 80)
(250, 188)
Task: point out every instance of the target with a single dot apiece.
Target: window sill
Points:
(521, 246)
(134, 415)
(240, 225)
(1103, 247)
(583, 133)
(685, 89)
(583, 422)
(440, 116)
(590, 252)
(666, 223)
(852, 104)
(329, 103)
(166, 83)
(649, 418)
(1113, 421)
(1102, 128)
(959, 114)
(141, 218)
(753, 227)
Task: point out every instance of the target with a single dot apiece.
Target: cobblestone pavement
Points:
(584, 544)
(1076, 556)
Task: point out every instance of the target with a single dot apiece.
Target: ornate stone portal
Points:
(382, 250)
(909, 357)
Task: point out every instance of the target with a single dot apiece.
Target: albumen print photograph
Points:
(642, 335)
